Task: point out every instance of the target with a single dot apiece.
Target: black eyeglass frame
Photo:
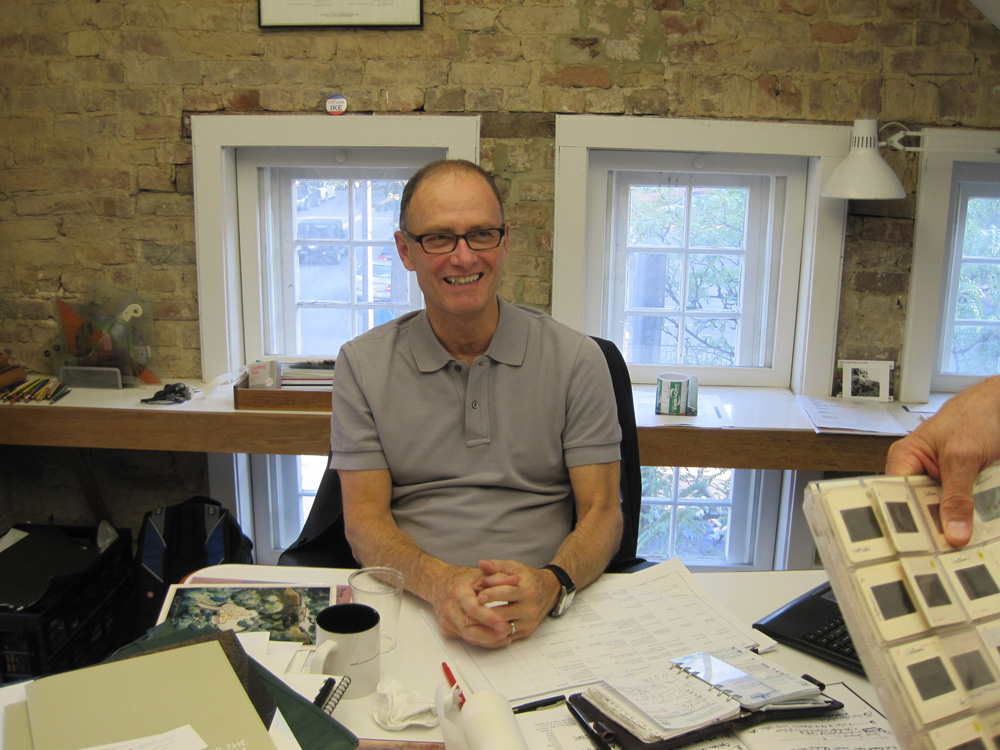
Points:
(419, 239)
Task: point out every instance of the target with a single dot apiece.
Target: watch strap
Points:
(564, 580)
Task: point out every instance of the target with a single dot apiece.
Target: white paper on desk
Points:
(839, 415)
(616, 626)
(711, 411)
(857, 727)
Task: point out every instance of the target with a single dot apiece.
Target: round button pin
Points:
(336, 104)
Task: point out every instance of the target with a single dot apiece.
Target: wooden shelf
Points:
(770, 431)
(280, 399)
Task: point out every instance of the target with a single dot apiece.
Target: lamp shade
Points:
(864, 173)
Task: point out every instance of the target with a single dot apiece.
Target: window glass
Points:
(970, 335)
(335, 272)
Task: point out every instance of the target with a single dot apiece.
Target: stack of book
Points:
(310, 375)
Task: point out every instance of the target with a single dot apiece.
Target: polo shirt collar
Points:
(508, 345)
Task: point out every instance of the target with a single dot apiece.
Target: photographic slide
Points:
(932, 591)
(857, 526)
(929, 679)
(893, 499)
(889, 599)
(974, 576)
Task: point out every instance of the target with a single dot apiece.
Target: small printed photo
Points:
(866, 379)
(931, 682)
(863, 386)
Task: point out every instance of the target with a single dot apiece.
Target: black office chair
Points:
(322, 542)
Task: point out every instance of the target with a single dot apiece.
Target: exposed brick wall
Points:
(95, 152)
(95, 156)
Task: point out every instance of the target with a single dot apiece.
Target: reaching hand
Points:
(954, 445)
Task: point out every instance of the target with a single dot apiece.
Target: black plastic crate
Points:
(79, 623)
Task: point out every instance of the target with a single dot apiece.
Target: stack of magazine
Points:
(924, 616)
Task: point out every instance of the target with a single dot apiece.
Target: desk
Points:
(417, 660)
(749, 595)
(769, 430)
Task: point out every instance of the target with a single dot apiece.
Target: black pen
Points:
(592, 734)
(535, 705)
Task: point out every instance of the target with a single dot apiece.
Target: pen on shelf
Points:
(554, 700)
(595, 739)
(63, 390)
(452, 682)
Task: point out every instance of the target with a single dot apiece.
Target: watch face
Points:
(565, 599)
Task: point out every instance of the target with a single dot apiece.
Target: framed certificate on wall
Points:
(340, 12)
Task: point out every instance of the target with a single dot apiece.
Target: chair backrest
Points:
(631, 473)
(322, 542)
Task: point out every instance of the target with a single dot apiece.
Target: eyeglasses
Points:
(439, 243)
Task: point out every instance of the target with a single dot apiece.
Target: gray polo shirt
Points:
(479, 454)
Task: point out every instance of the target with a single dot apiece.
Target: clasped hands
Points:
(497, 603)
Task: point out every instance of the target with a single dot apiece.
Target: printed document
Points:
(617, 626)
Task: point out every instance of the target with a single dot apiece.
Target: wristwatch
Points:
(566, 593)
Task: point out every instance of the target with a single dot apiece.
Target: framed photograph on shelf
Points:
(341, 12)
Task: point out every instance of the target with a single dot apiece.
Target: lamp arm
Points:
(895, 142)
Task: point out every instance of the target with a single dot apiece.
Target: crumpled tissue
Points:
(396, 709)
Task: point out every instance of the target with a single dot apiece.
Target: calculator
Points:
(813, 623)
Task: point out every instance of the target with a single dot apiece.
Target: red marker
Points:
(452, 682)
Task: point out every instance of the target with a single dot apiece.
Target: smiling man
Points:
(477, 441)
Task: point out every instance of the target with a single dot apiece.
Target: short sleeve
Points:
(593, 434)
(354, 439)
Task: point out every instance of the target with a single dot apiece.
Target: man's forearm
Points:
(375, 538)
(589, 548)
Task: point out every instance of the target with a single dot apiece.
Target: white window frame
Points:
(215, 139)
(259, 314)
(786, 246)
(932, 254)
(573, 279)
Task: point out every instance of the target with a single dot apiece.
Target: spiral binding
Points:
(331, 693)
(688, 672)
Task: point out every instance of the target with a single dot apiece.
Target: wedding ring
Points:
(513, 628)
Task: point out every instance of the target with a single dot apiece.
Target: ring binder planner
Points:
(332, 691)
(697, 695)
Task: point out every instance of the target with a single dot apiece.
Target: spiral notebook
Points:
(700, 694)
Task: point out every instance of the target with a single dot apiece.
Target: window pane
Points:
(718, 217)
(714, 282)
(978, 292)
(975, 350)
(982, 228)
(322, 274)
(654, 280)
(971, 349)
(650, 340)
(705, 484)
(374, 276)
(702, 532)
(376, 208)
(686, 512)
(656, 216)
(711, 342)
(322, 331)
